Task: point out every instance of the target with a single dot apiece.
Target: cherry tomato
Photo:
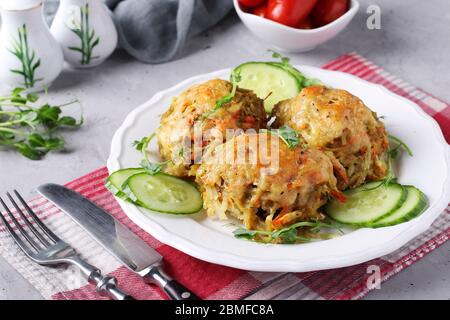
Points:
(327, 11)
(260, 11)
(305, 24)
(251, 3)
(289, 12)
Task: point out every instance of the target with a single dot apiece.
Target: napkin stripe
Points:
(211, 281)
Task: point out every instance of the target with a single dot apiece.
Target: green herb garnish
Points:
(30, 129)
(235, 79)
(150, 167)
(153, 168)
(400, 145)
(286, 235)
(287, 134)
(392, 155)
(285, 61)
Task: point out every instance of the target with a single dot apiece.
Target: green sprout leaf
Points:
(152, 168)
(27, 128)
(288, 235)
(287, 134)
(235, 79)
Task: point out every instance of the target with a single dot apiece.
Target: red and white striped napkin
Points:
(211, 281)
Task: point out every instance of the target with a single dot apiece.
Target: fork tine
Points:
(16, 237)
(46, 230)
(22, 230)
(38, 235)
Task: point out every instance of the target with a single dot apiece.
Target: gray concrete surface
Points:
(413, 43)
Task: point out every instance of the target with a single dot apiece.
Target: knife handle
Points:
(105, 285)
(176, 291)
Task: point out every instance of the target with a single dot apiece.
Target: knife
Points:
(126, 246)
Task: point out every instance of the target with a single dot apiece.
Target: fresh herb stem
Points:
(235, 79)
(28, 129)
(18, 132)
(285, 235)
(392, 155)
(287, 135)
(401, 144)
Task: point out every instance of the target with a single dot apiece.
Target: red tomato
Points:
(305, 24)
(289, 12)
(260, 11)
(327, 11)
(251, 3)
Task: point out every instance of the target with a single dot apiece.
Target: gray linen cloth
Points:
(155, 31)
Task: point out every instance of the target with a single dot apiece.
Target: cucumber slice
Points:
(116, 180)
(297, 74)
(367, 203)
(164, 193)
(265, 78)
(414, 205)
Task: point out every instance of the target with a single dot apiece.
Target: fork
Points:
(47, 249)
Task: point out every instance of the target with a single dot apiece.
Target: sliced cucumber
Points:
(367, 203)
(164, 193)
(415, 203)
(268, 81)
(116, 180)
(296, 73)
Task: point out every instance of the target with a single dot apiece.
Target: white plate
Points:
(212, 240)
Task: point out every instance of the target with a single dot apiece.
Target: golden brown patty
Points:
(337, 121)
(268, 185)
(190, 126)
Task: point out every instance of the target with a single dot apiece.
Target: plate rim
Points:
(237, 261)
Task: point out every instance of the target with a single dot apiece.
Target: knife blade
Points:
(117, 239)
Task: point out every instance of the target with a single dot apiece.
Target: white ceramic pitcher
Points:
(86, 32)
(29, 55)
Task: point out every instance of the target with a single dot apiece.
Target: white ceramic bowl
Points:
(289, 39)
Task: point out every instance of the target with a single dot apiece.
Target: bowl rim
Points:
(354, 7)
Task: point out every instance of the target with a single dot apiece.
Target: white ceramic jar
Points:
(86, 32)
(29, 55)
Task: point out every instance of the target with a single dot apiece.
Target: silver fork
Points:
(45, 248)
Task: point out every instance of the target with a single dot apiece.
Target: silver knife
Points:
(127, 247)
